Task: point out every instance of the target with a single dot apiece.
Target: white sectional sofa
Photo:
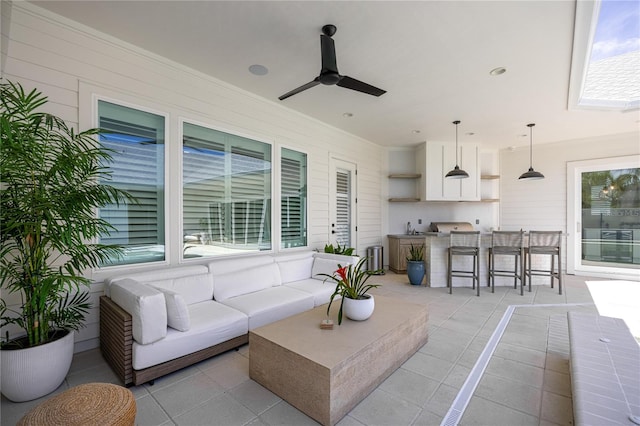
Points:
(153, 323)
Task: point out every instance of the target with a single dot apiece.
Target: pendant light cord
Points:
(456, 123)
(531, 145)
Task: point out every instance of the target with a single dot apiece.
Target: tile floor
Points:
(526, 380)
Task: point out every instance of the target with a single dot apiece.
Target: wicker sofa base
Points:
(116, 345)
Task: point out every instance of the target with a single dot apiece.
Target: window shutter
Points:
(343, 209)
(137, 167)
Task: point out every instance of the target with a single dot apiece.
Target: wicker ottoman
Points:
(88, 404)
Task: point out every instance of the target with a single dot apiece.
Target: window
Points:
(226, 193)
(136, 139)
(611, 217)
(604, 70)
(293, 198)
(603, 217)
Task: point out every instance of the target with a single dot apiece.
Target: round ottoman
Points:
(88, 404)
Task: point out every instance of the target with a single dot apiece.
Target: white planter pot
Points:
(34, 372)
(360, 309)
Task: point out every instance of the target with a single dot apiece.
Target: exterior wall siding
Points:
(66, 60)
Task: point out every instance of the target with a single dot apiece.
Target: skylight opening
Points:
(611, 62)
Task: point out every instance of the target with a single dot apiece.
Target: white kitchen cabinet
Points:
(435, 159)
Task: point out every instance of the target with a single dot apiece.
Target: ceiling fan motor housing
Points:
(329, 78)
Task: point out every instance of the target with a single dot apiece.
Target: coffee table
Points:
(325, 373)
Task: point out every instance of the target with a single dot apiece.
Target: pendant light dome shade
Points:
(531, 174)
(457, 172)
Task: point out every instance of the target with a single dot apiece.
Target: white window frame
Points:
(275, 225)
(89, 95)
(574, 216)
(278, 209)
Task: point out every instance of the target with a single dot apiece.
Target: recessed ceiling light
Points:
(498, 71)
(469, 133)
(347, 115)
(415, 131)
(258, 69)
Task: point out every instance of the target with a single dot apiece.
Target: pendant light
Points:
(457, 172)
(531, 174)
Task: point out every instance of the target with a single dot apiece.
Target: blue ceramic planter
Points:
(415, 271)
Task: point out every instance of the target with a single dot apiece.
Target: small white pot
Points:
(34, 372)
(360, 309)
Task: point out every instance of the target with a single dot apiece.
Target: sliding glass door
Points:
(604, 212)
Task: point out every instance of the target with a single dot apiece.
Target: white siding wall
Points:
(70, 62)
(542, 204)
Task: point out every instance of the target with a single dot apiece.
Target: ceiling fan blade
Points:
(357, 85)
(304, 87)
(328, 52)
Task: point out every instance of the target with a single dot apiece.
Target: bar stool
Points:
(507, 243)
(464, 243)
(544, 243)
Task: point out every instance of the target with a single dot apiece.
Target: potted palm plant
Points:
(50, 190)
(415, 264)
(351, 285)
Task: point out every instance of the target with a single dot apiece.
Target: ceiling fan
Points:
(329, 74)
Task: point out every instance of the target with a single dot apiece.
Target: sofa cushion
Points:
(177, 311)
(324, 266)
(320, 290)
(295, 270)
(147, 308)
(158, 275)
(212, 323)
(245, 281)
(194, 288)
(271, 304)
(226, 266)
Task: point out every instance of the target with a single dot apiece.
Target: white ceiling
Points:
(432, 57)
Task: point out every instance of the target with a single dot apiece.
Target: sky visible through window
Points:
(613, 74)
(618, 29)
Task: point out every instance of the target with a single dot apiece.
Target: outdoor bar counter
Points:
(435, 259)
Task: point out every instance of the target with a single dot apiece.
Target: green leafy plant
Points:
(50, 190)
(351, 282)
(416, 253)
(343, 250)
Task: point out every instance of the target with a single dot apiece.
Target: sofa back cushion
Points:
(323, 266)
(295, 270)
(147, 308)
(193, 288)
(177, 312)
(166, 276)
(226, 266)
(247, 280)
(327, 263)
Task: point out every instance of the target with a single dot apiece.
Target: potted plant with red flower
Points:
(351, 285)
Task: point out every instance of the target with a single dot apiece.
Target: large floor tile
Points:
(186, 394)
(483, 412)
(533, 357)
(222, 410)
(511, 393)
(381, 408)
(149, 412)
(284, 414)
(255, 397)
(428, 366)
(510, 369)
(410, 386)
(557, 409)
